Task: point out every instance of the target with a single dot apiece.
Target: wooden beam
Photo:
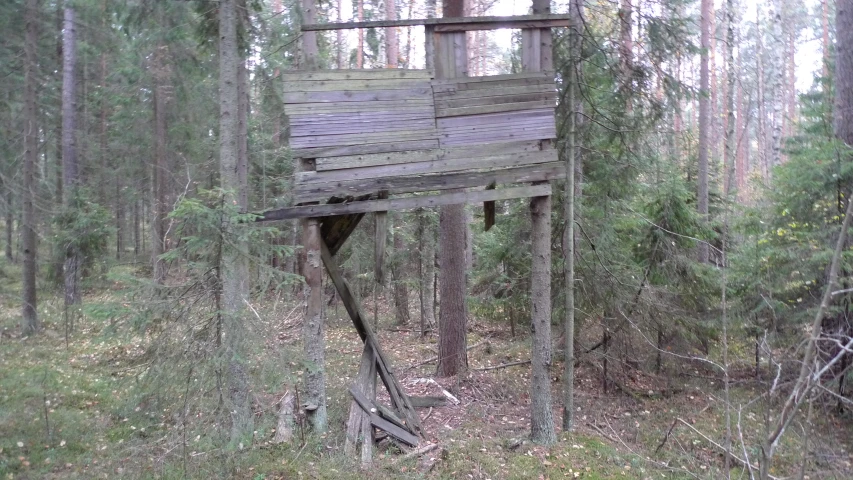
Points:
(407, 203)
(460, 23)
(399, 400)
(395, 431)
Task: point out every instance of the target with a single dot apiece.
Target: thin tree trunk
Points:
(426, 234)
(742, 139)
(29, 317)
(704, 124)
(626, 51)
(359, 52)
(392, 42)
(234, 287)
(160, 167)
(824, 21)
(762, 103)
(778, 72)
(10, 223)
(730, 141)
(339, 38)
(70, 168)
(398, 268)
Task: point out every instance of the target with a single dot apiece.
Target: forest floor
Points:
(69, 411)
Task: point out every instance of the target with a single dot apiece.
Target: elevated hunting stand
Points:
(381, 140)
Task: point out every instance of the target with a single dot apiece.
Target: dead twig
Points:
(503, 365)
(720, 447)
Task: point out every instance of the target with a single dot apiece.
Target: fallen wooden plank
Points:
(428, 167)
(384, 147)
(398, 157)
(426, 183)
(406, 203)
(427, 402)
(355, 74)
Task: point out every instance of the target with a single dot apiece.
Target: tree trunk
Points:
(730, 139)
(392, 43)
(824, 21)
(704, 124)
(401, 290)
(29, 317)
(426, 235)
(626, 50)
(541, 418)
(575, 11)
(452, 318)
(312, 269)
(742, 139)
(359, 52)
(70, 168)
(10, 220)
(234, 285)
(160, 167)
(762, 103)
(778, 79)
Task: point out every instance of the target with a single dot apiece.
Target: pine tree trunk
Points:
(426, 234)
(234, 287)
(541, 418)
(626, 51)
(401, 290)
(70, 168)
(29, 317)
(10, 220)
(825, 47)
(730, 139)
(762, 103)
(359, 52)
(742, 138)
(160, 167)
(392, 43)
(778, 78)
(704, 124)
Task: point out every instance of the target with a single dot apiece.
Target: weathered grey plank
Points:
(372, 160)
(356, 84)
(471, 23)
(499, 25)
(496, 108)
(387, 127)
(443, 105)
(361, 117)
(404, 203)
(440, 83)
(497, 91)
(366, 106)
(425, 183)
(355, 74)
(357, 95)
(429, 167)
(495, 118)
(383, 147)
(361, 138)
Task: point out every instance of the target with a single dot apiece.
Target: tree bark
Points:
(778, 79)
(160, 167)
(452, 318)
(398, 266)
(10, 223)
(313, 324)
(234, 286)
(541, 418)
(575, 10)
(70, 168)
(426, 235)
(626, 50)
(392, 42)
(359, 52)
(29, 317)
(704, 124)
(730, 139)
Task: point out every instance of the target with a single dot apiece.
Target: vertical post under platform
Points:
(313, 327)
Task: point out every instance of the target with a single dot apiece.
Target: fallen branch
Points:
(503, 365)
(447, 394)
(723, 449)
(418, 452)
(435, 358)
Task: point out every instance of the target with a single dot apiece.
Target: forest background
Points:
(146, 331)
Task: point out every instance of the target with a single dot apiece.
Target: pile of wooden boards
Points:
(401, 131)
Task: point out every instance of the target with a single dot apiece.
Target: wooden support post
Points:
(313, 328)
(359, 428)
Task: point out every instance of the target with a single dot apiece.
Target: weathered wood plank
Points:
(497, 108)
(359, 84)
(372, 160)
(473, 81)
(356, 432)
(443, 105)
(394, 430)
(404, 203)
(357, 95)
(500, 25)
(364, 149)
(495, 118)
(527, 21)
(429, 167)
(362, 117)
(361, 138)
(355, 74)
(425, 183)
(336, 230)
(498, 137)
(337, 128)
(367, 106)
(498, 90)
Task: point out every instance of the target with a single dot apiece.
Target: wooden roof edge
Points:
(454, 23)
